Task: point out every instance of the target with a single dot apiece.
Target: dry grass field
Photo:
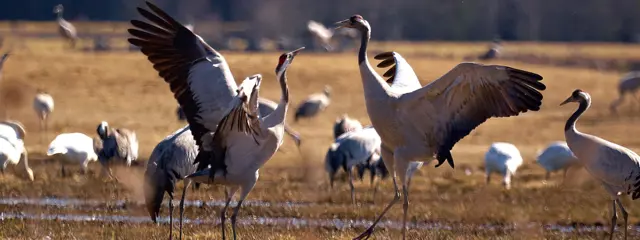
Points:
(123, 89)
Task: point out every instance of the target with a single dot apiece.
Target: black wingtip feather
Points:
(384, 55)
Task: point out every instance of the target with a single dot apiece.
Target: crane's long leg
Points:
(184, 193)
(613, 219)
(389, 162)
(488, 177)
(353, 196)
(228, 194)
(547, 175)
(245, 192)
(625, 216)
(170, 215)
(402, 174)
(62, 172)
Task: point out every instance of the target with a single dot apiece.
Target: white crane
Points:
(628, 86)
(314, 104)
(171, 161)
(65, 28)
(616, 167)
(265, 107)
(416, 123)
(3, 59)
(12, 150)
(224, 119)
(119, 145)
(73, 148)
(557, 156)
(43, 106)
(345, 124)
(503, 158)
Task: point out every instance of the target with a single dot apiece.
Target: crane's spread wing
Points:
(449, 108)
(401, 76)
(198, 76)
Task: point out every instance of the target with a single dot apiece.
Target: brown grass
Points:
(123, 89)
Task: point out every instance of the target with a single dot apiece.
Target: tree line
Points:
(460, 20)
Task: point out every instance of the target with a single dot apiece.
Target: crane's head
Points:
(577, 96)
(103, 129)
(286, 59)
(327, 90)
(58, 9)
(355, 21)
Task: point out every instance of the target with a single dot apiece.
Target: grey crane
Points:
(233, 140)
(493, 51)
(3, 59)
(118, 145)
(65, 28)
(170, 161)
(616, 167)
(314, 104)
(628, 86)
(415, 123)
(345, 124)
(43, 106)
(265, 107)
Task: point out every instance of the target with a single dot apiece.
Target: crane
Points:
(43, 106)
(503, 158)
(119, 144)
(233, 140)
(313, 104)
(72, 148)
(65, 28)
(415, 123)
(615, 166)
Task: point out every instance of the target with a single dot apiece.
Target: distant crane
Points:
(43, 106)
(417, 123)
(314, 104)
(557, 156)
(324, 36)
(224, 119)
(72, 148)
(119, 144)
(3, 59)
(345, 124)
(65, 28)
(503, 158)
(629, 85)
(493, 51)
(12, 150)
(171, 161)
(616, 167)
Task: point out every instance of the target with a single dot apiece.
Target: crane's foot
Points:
(366, 234)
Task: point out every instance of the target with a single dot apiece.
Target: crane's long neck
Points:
(374, 86)
(278, 115)
(571, 123)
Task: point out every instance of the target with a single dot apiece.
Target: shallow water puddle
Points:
(299, 222)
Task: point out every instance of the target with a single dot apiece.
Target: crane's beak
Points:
(342, 24)
(295, 52)
(568, 100)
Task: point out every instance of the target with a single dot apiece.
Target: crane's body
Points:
(72, 148)
(417, 123)
(556, 156)
(43, 106)
(503, 158)
(171, 161)
(12, 149)
(616, 167)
